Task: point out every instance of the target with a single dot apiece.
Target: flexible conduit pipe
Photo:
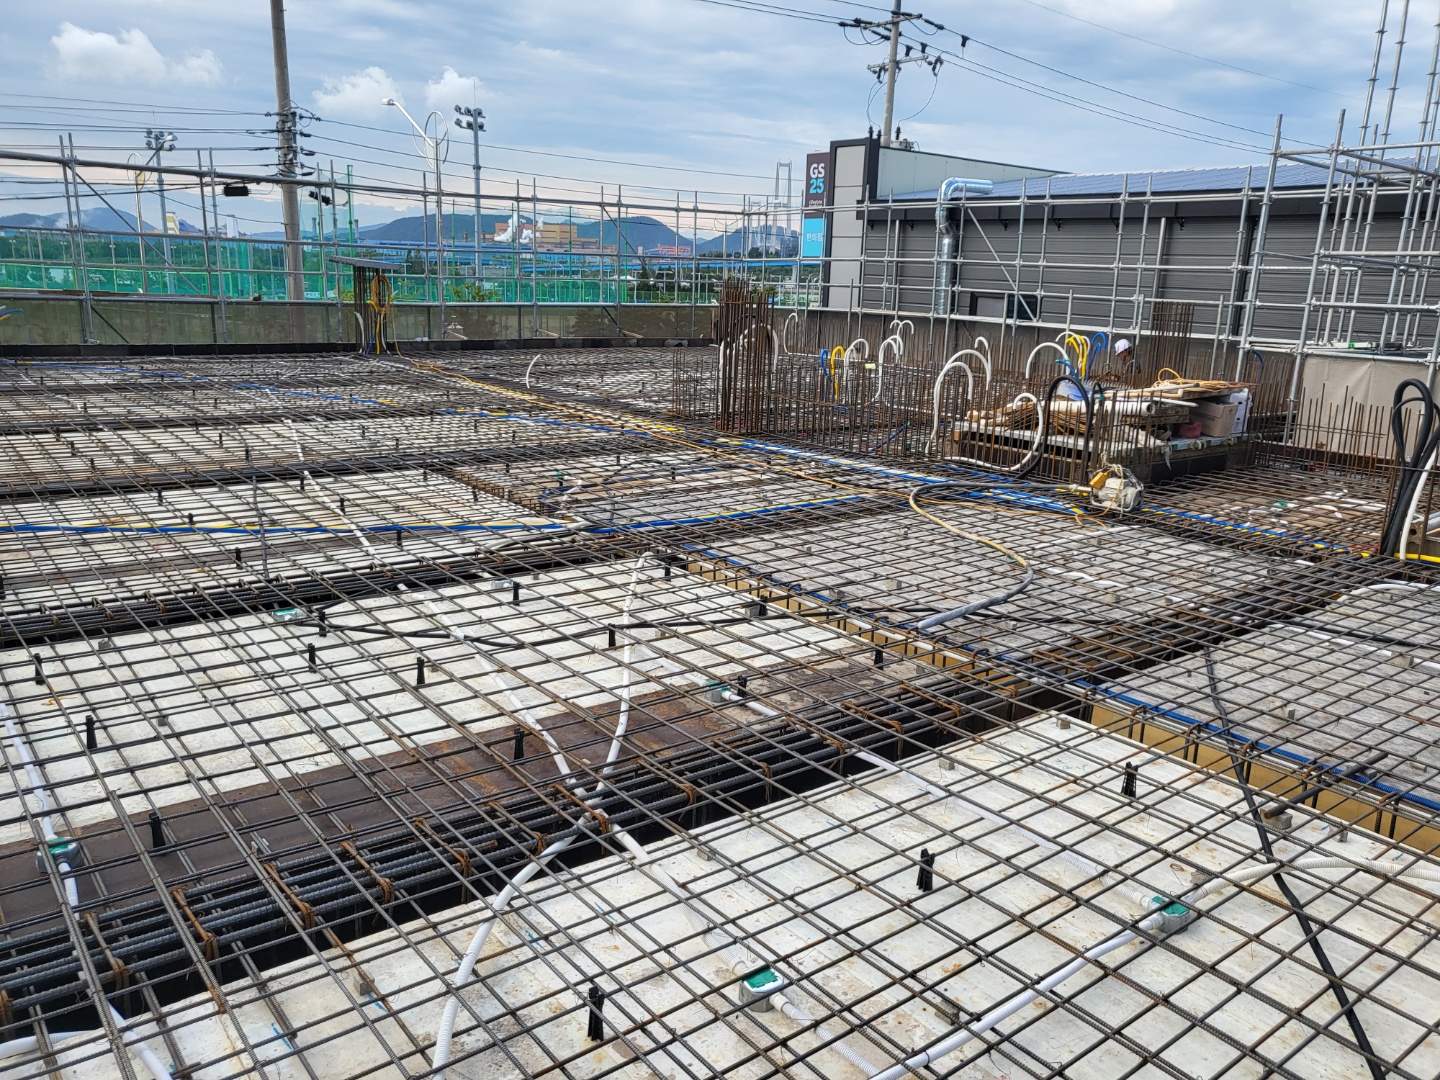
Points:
(1009, 1008)
(521, 711)
(37, 789)
(1030, 360)
(72, 895)
(1149, 924)
(1415, 504)
(1036, 446)
(320, 490)
(622, 722)
(955, 362)
(16, 1047)
(1139, 897)
(446, 1032)
(1091, 869)
(897, 350)
(850, 354)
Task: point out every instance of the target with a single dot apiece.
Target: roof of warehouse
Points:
(1227, 178)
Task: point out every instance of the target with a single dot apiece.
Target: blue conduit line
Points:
(316, 395)
(732, 515)
(1084, 684)
(276, 530)
(424, 527)
(1256, 530)
(892, 438)
(750, 444)
(1289, 755)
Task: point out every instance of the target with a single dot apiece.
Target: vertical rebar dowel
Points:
(190, 520)
(742, 684)
(925, 880)
(399, 538)
(157, 830)
(39, 670)
(610, 637)
(515, 592)
(879, 658)
(596, 1030)
(342, 505)
(419, 671)
(239, 559)
(310, 655)
(90, 742)
(1127, 785)
(519, 734)
(320, 617)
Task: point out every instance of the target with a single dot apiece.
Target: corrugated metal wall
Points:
(1106, 272)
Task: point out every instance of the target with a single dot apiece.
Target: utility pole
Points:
(891, 70)
(473, 121)
(285, 124)
(158, 142)
(893, 62)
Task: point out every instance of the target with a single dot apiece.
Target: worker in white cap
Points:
(1125, 354)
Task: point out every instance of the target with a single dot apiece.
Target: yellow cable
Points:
(666, 433)
(996, 545)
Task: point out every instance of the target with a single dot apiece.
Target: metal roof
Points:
(1226, 178)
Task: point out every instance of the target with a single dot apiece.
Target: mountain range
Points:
(99, 218)
(640, 235)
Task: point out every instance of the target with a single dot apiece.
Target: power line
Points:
(1086, 105)
(1102, 86)
(552, 153)
(1182, 52)
(1029, 86)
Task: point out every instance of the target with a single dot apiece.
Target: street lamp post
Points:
(433, 146)
(157, 142)
(473, 121)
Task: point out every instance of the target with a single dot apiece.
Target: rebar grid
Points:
(359, 727)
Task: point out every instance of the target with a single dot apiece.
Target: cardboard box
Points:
(1211, 407)
(1216, 419)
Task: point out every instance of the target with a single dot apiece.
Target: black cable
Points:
(1311, 932)
(1085, 396)
(1413, 465)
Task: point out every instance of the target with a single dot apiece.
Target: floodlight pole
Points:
(473, 121)
(433, 145)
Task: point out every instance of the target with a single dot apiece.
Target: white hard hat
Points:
(1122, 345)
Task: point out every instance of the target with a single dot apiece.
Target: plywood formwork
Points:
(271, 758)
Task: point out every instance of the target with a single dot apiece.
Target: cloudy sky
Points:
(667, 95)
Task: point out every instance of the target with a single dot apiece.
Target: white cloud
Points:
(203, 67)
(129, 57)
(453, 89)
(359, 94)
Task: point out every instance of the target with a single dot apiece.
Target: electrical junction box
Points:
(1175, 915)
(59, 849)
(756, 988)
